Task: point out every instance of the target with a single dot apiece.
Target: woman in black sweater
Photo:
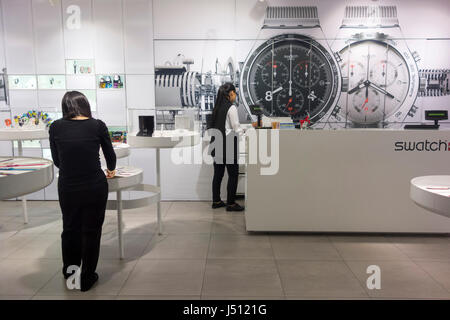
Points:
(75, 142)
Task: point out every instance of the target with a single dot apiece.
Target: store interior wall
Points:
(131, 37)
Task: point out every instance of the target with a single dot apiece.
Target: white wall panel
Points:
(138, 34)
(80, 82)
(2, 42)
(48, 33)
(79, 43)
(111, 107)
(23, 99)
(19, 36)
(194, 19)
(140, 91)
(50, 99)
(109, 54)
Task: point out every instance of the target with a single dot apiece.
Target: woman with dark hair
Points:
(75, 141)
(225, 120)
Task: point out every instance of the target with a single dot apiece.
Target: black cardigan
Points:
(75, 146)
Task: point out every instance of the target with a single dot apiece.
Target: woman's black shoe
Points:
(219, 204)
(235, 207)
(88, 282)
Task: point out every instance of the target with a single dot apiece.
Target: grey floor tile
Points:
(241, 277)
(24, 277)
(367, 248)
(240, 246)
(197, 297)
(423, 248)
(241, 298)
(14, 243)
(16, 297)
(165, 277)
(180, 208)
(112, 276)
(399, 279)
(439, 271)
(134, 246)
(229, 224)
(319, 279)
(179, 226)
(303, 247)
(74, 297)
(42, 246)
(172, 246)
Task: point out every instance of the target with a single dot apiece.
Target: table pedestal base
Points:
(121, 204)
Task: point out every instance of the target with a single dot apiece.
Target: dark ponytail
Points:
(222, 99)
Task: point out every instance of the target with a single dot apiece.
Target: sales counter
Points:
(355, 180)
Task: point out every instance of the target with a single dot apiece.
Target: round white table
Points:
(130, 179)
(19, 135)
(432, 193)
(23, 175)
(122, 150)
(165, 139)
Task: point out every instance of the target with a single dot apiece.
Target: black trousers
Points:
(233, 175)
(83, 215)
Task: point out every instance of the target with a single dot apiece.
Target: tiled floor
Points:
(207, 254)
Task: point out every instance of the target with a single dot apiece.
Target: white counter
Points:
(347, 181)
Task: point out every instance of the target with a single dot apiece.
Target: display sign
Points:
(110, 81)
(80, 67)
(22, 82)
(49, 82)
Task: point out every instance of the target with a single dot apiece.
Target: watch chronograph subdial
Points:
(384, 73)
(274, 73)
(355, 71)
(306, 74)
(366, 106)
(290, 105)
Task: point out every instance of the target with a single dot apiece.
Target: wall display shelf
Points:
(110, 81)
(22, 82)
(432, 193)
(80, 67)
(52, 82)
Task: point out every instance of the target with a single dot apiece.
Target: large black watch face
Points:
(290, 75)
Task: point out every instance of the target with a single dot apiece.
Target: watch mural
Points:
(365, 77)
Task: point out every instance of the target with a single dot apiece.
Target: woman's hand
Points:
(110, 174)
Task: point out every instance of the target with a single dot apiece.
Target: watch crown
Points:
(344, 87)
(337, 56)
(422, 84)
(415, 56)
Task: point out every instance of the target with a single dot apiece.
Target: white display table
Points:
(164, 140)
(130, 179)
(19, 135)
(23, 175)
(432, 193)
(122, 150)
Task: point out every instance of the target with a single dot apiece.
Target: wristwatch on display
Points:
(292, 72)
(383, 78)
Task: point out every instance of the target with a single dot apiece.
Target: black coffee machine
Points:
(146, 126)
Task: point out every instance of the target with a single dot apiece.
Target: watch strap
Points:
(434, 82)
(291, 17)
(370, 16)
